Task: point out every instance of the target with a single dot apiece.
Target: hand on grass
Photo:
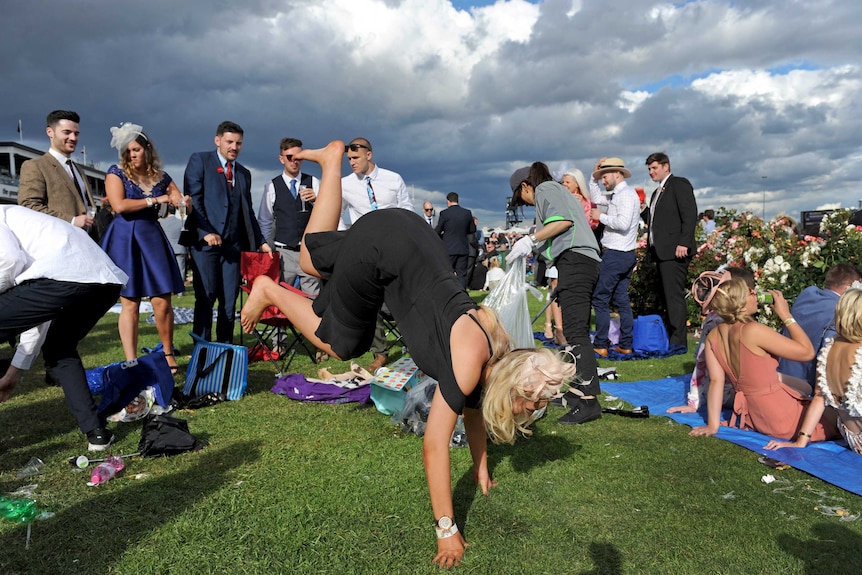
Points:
(703, 430)
(8, 382)
(450, 551)
(483, 478)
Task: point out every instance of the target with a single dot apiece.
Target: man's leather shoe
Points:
(622, 350)
(380, 360)
(601, 351)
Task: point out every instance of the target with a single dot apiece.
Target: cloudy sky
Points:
(753, 101)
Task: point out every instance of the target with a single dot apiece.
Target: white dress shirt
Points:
(622, 218)
(265, 217)
(34, 245)
(389, 191)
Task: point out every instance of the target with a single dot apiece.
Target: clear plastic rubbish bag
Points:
(509, 300)
(413, 417)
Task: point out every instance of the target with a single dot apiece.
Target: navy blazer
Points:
(675, 218)
(205, 182)
(454, 225)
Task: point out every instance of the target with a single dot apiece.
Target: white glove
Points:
(521, 248)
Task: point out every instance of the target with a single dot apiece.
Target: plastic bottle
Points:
(18, 510)
(107, 470)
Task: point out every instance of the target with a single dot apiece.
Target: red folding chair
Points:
(276, 338)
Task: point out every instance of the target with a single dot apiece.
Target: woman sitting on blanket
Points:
(839, 377)
(393, 256)
(745, 351)
(703, 290)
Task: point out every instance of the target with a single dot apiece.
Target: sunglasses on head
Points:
(355, 147)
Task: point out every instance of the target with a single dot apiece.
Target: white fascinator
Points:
(121, 137)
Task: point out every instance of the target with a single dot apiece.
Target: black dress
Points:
(391, 255)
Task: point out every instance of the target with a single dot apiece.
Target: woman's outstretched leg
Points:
(296, 308)
(327, 207)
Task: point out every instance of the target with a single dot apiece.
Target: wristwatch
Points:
(533, 239)
(445, 527)
(149, 202)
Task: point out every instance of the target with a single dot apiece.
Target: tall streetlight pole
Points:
(763, 215)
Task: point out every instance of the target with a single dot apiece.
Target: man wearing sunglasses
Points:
(367, 189)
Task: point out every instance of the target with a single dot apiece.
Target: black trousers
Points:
(73, 308)
(576, 281)
(459, 264)
(673, 276)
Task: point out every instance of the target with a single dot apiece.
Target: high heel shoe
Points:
(549, 330)
(174, 368)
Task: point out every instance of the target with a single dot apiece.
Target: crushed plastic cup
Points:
(33, 467)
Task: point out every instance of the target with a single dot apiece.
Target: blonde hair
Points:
(531, 374)
(730, 299)
(501, 343)
(494, 263)
(578, 176)
(848, 315)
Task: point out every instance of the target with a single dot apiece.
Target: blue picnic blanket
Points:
(830, 461)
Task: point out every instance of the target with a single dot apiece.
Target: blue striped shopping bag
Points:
(217, 368)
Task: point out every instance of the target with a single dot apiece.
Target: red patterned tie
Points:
(229, 173)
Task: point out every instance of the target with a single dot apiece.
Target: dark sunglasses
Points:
(429, 209)
(289, 158)
(355, 147)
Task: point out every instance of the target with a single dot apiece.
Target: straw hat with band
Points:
(611, 165)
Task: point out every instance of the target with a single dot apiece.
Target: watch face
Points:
(444, 522)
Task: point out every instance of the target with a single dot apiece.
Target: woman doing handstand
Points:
(393, 256)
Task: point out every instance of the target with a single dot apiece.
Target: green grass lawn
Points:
(288, 487)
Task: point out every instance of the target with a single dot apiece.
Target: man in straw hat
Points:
(671, 217)
(619, 240)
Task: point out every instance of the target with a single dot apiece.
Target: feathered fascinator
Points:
(543, 376)
(121, 137)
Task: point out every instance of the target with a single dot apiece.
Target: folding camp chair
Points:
(392, 327)
(276, 338)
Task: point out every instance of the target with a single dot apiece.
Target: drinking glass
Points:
(303, 187)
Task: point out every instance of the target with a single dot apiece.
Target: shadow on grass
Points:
(526, 455)
(94, 534)
(832, 549)
(606, 558)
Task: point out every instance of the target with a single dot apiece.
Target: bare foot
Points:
(332, 153)
(255, 304)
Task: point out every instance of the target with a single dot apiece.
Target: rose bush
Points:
(779, 257)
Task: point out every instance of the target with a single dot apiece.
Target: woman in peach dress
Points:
(745, 351)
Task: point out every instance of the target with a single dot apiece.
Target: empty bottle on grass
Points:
(107, 470)
(18, 510)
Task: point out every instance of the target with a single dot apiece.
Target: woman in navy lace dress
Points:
(137, 188)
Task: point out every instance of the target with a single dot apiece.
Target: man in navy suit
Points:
(671, 217)
(223, 225)
(454, 226)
